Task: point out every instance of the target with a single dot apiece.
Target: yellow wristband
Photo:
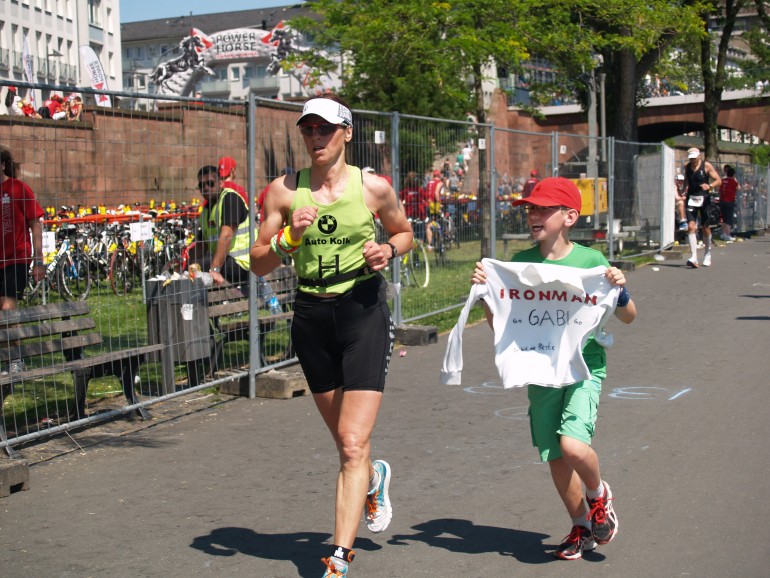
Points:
(288, 238)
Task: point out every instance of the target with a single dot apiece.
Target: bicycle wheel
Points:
(417, 264)
(32, 288)
(439, 246)
(450, 234)
(74, 277)
(121, 278)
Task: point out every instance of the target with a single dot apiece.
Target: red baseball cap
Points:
(437, 173)
(554, 192)
(225, 166)
(533, 173)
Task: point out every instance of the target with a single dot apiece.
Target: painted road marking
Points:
(646, 392)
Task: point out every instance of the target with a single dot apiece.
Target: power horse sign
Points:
(200, 52)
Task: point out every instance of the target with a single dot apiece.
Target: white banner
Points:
(96, 73)
(28, 66)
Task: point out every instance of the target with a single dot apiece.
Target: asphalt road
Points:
(244, 488)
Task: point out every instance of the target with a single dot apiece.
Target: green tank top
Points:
(334, 243)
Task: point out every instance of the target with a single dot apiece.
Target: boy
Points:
(562, 419)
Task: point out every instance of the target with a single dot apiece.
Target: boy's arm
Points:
(479, 277)
(626, 308)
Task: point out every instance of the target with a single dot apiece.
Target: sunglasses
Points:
(323, 129)
(540, 210)
(206, 184)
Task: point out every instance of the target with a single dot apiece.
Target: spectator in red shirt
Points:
(27, 109)
(530, 184)
(54, 105)
(728, 191)
(415, 205)
(20, 213)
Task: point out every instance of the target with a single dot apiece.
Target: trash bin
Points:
(177, 316)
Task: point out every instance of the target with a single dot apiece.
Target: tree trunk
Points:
(625, 130)
(484, 198)
(714, 80)
(711, 96)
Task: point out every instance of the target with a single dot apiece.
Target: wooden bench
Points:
(506, 237)
(228, 312)
(54, 339)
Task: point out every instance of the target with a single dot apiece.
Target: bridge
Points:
(663, 117)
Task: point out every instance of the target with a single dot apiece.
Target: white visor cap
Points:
(327, 109)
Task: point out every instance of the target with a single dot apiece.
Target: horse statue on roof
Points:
(190, 60)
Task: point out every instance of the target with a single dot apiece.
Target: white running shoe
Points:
(604, 521)
(378, 510)
(707, 259)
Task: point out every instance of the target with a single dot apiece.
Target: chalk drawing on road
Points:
(513, 413)
(486, 388)
(649, 392)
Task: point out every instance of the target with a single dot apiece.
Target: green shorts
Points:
(562, 411)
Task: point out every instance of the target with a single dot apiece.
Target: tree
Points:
(632, 36)
(713, 70)
(705, 51)
(419, 57)
(757, 69)
(413, 56)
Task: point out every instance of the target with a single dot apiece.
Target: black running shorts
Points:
(344, 341)
(13, 280)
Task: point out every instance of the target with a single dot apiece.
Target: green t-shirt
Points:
(579, 257)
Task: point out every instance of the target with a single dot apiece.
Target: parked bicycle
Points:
(69, 271)
(415, 269)
(127, 262)
(444, 236)
(414, 265)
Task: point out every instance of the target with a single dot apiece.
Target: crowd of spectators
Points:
(56, 107)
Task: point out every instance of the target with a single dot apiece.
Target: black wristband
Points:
(394, 253)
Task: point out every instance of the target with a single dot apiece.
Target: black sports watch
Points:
(394, 251)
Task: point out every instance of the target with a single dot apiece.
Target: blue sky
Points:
(134, 10)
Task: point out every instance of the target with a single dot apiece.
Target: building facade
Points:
(54, 31)
(251, 35)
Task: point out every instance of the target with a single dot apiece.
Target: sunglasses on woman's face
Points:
(208, 184)
(323, 129)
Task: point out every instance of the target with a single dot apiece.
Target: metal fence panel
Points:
(120, 190)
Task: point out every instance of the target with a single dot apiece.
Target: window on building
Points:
(222, 73)
(93, 12)
(109, 21)
(235, 73)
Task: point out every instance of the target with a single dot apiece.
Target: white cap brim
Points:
(693, 155)
(329, 110)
